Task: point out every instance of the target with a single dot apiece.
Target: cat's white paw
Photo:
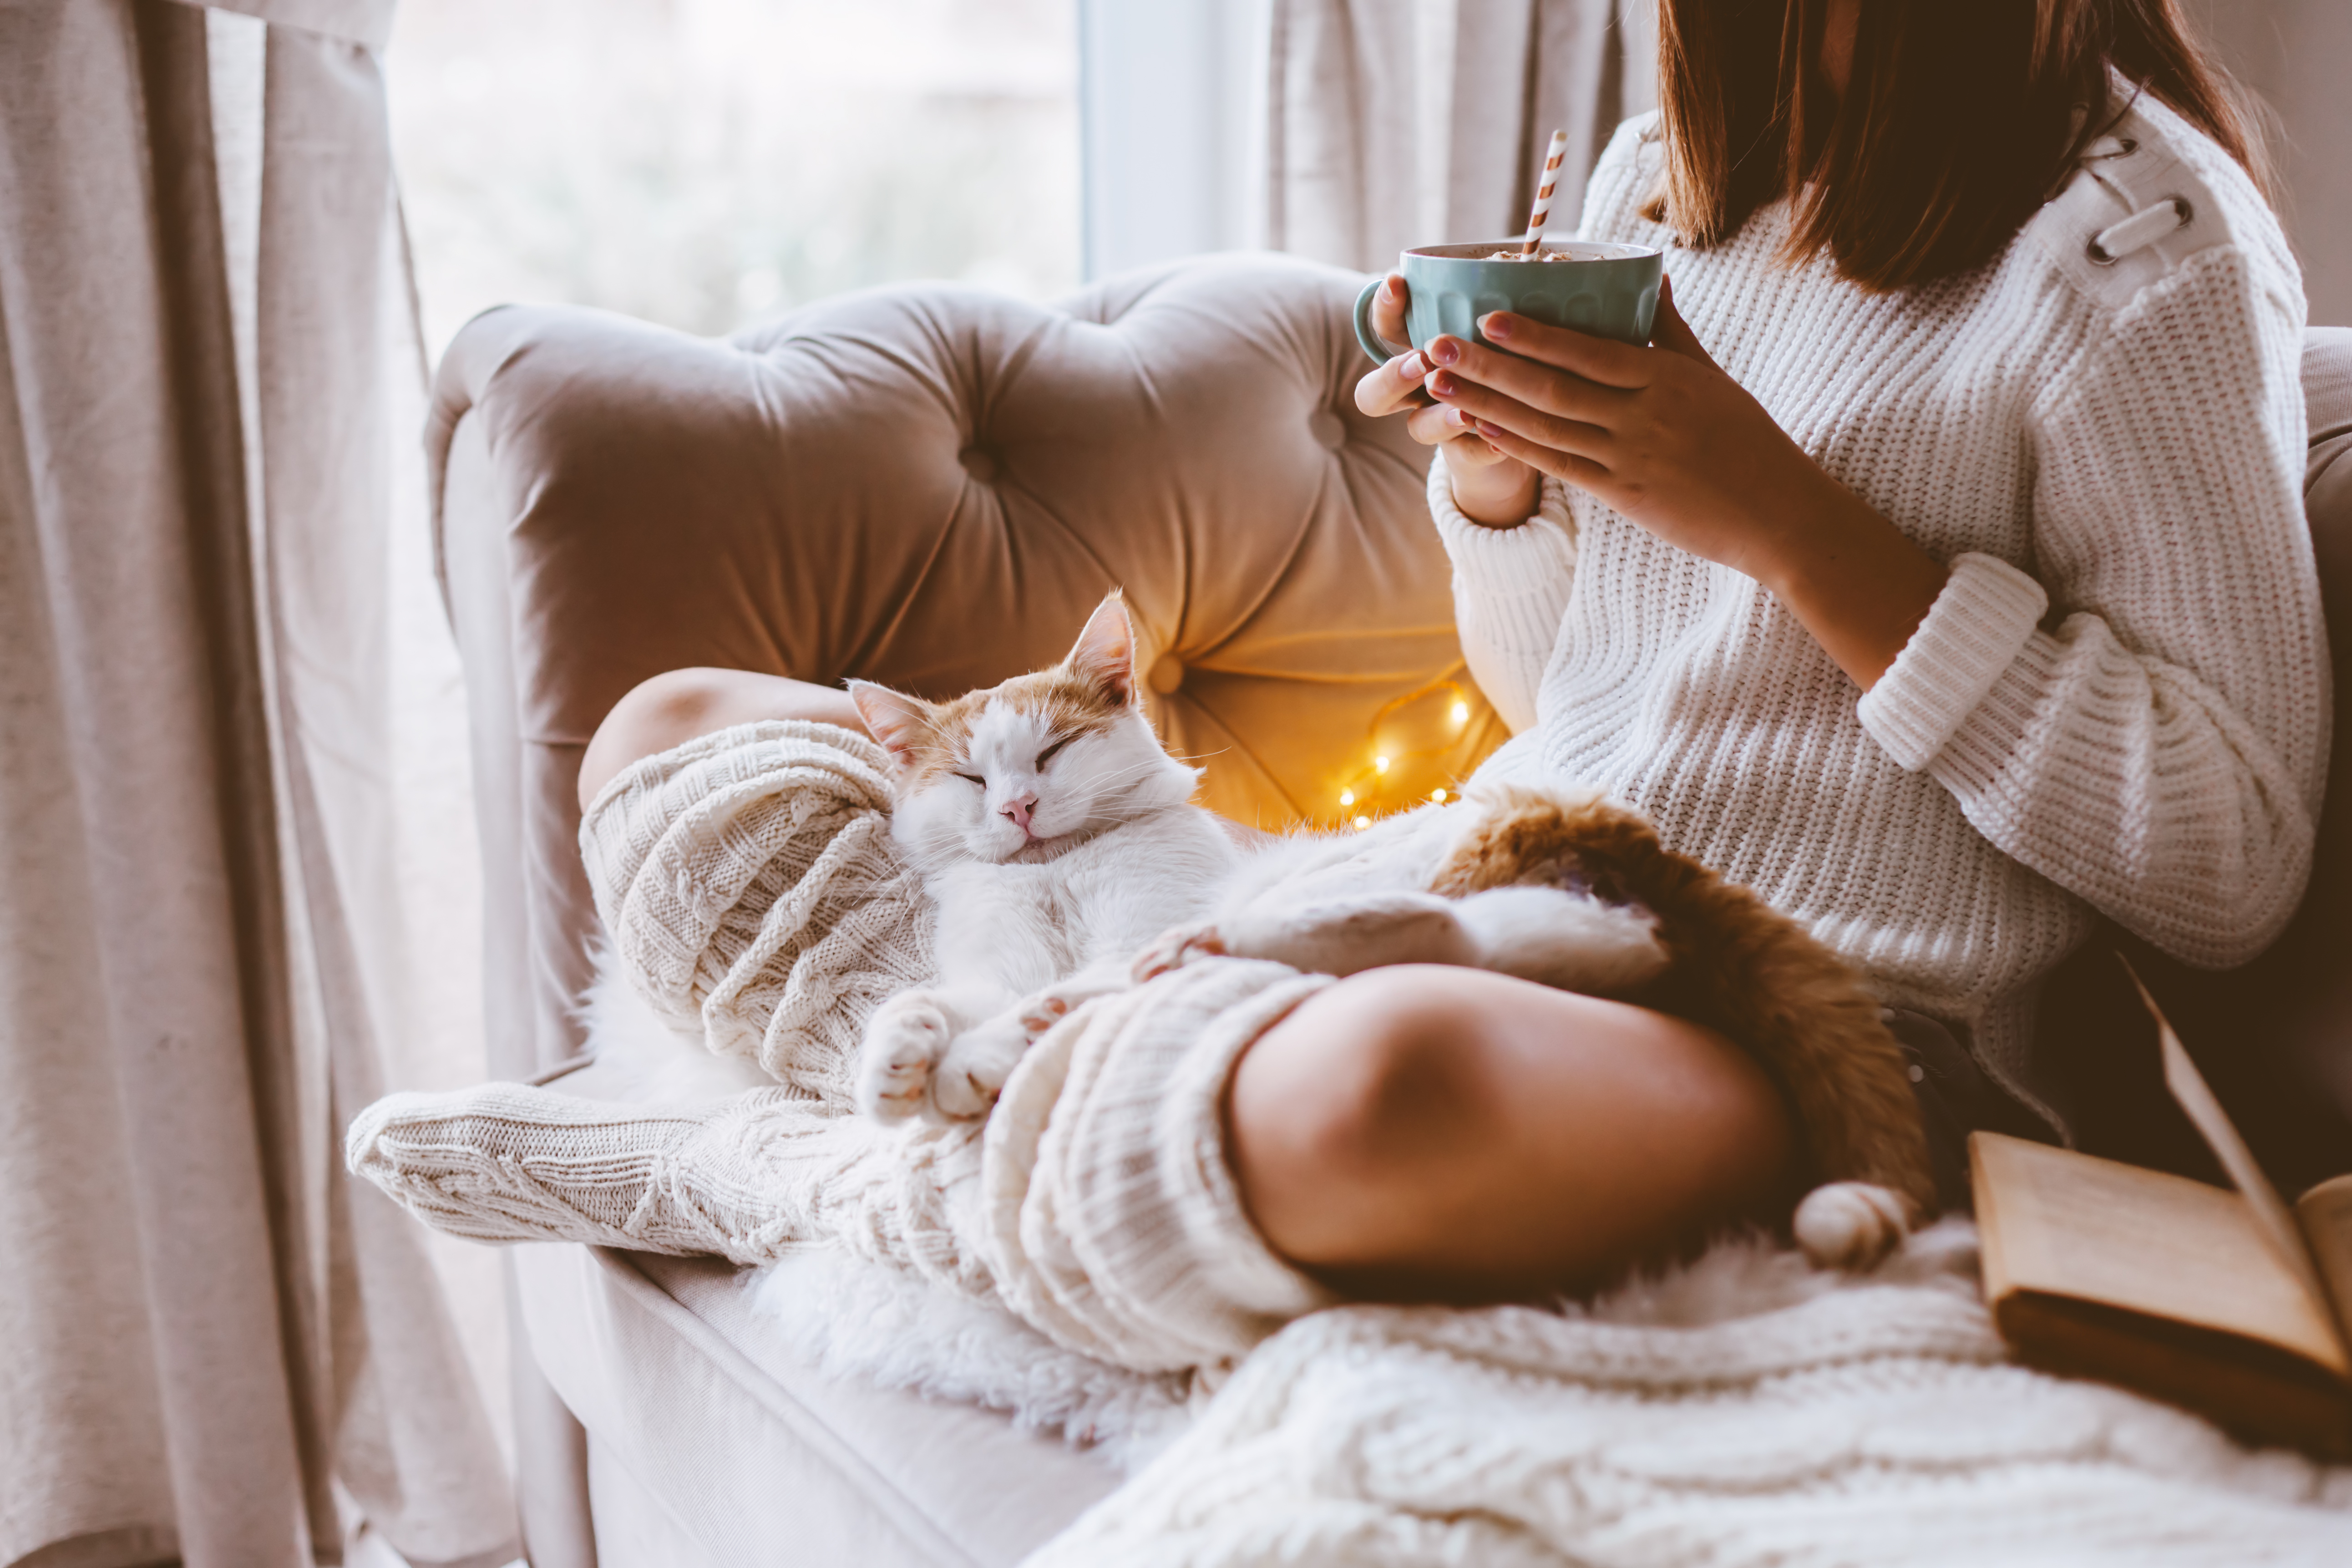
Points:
(1041, 1012)
(973, 1070)
(1176, 947)
(1852, 1225)
(904, 1042)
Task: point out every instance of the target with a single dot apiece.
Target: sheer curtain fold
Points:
(1399, 123)
(210, 1345)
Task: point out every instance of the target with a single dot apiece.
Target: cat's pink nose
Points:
(1018, 809)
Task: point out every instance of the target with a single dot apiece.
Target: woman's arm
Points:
(676, 706)
(2162, 752)
(1673, 442)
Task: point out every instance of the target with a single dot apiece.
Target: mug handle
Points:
(1372, 345)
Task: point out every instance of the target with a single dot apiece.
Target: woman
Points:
(1954, 593)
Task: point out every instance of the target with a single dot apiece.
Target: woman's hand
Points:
(1667, 438)
(1487, 486)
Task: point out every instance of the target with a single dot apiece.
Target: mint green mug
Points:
(1609, 290)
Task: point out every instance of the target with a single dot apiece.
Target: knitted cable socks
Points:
(753, 895)
(745, 1179)
(1096, 1204)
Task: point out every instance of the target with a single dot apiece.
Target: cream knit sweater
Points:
(2118, 705)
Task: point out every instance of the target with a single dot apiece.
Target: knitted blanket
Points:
(1751, 1412)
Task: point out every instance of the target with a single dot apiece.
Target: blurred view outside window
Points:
(705, 164)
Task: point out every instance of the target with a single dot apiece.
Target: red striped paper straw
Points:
(1540, 214)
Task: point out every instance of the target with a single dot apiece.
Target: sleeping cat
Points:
(1064, 858)
(1056, 838)
(1052, 832)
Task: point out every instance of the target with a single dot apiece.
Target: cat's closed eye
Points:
(973, 778)
(1047, 754)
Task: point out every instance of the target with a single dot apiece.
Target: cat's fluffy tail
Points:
(1738, 965)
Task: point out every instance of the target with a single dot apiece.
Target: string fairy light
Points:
(1365, 785)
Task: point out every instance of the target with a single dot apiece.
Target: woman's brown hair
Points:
(1960, 120)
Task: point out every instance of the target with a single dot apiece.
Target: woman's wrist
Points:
(1494, 495)
(1854, 580)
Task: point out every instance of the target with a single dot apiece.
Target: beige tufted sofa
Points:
(929, 486)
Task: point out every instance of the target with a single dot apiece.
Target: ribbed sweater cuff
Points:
(1976, 627)
(1502, 563)
(1506, 569)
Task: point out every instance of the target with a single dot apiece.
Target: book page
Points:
(2269, 1211)
(2325, 1216)
(2071, 1225)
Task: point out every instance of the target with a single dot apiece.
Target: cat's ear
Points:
(899, 722)
(1104, 655)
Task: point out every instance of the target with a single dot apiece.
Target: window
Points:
(705, 164)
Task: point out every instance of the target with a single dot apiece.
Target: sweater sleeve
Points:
(2160, 750)
(1510, 591)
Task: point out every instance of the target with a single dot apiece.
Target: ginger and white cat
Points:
(1054, 835)
(1062, 853)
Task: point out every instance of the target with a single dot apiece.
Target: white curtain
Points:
(213, 1347)
(1399, 123)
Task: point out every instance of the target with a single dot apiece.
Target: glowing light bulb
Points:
(1362, 823)
(1379, 764)
(1347, 797)
(1462, 712)
(1438, 795)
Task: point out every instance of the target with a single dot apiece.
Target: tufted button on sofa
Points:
(930, 486)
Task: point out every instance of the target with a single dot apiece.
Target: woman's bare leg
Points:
(676, 706)
(1432, 1133)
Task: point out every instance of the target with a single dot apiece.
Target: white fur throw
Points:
(1746, 1410)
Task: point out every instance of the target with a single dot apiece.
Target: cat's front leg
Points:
(906, 1040)
(973, 1070)
(1176, 947)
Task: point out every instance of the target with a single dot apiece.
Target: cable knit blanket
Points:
(1747, 1410)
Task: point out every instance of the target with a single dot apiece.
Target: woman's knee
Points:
(652, 716)
(674, 707)
(1456, 1126)
(1369, 1102)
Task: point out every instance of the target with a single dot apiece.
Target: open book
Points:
(2231, 1303)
